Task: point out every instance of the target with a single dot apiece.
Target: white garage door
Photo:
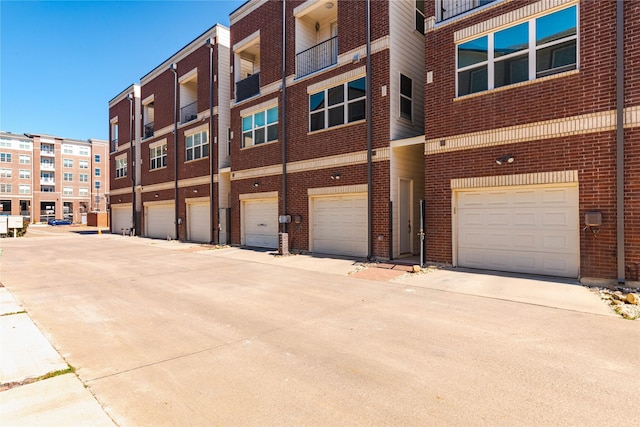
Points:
(340, 224)
(120, 219)
(160, 222)
(526, 230)
(260, 223)
(198, 222)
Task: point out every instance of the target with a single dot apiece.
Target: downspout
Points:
(212, 239)
(132, 160)
(174, 68)
(620, 139)
(284, 115)
(369, 137)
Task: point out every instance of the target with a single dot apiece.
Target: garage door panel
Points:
(260, 223)
(340, 225)
(120, 219)
(198, 222)
(542, 238)
(160, 221)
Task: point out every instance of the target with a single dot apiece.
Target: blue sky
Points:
(62, 61)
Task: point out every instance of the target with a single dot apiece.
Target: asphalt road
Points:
(164, 334)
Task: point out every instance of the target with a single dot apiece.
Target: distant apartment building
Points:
(169, 145)
(45, 177)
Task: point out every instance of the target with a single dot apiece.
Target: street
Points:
(167, 333)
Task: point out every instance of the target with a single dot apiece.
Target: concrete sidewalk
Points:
(26, 356)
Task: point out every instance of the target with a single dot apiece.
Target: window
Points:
(83, 164)
(24, 189)
(96, 158)
(246, 69)
(46, 189)
(158, 157)
(67, 191)
(537, 48)
(5, 173)
(24, 145)
(189, 96)
(83, 151)
(96, 172)
(67, 176)
(121, 167)
(330, 108)
(197, 146)
(260, 127)
(148, 116)
(5, 157)
(446, 9)
(5, 188)
(25, 174)
(96, 185)
(406, 97)
(6, 143)
(83, 177)
(420, 16)
(67, 149)
(67, 163)
(25, 159)
(114, 134)
(83, 191)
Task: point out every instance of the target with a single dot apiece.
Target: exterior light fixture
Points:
(328, 5)
(335, 176)
(255, 184)
(505, 159)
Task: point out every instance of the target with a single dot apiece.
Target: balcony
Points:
(248, 87)
(148, 130)
(47, 181)
(47, 152)
(451, 8)
(114, 145)
(47, 166)
(188, 112)
(317, 57)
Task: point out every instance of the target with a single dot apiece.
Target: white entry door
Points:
(529, 229)
(260, 223)
(340, 224)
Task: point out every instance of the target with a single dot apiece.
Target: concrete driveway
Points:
(164, 333)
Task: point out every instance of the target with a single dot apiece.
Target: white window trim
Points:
(120, 168)
(265, 127)
(531, 51)
(193, 147)
(327, 107)
(158, 157)
(401, 96)
(83, 162)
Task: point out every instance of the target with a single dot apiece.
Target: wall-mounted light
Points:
(119, 200)
(317, 27)
(156, 196)
(335, 176)
(328, 5)
(256, 184)
(195, 191)
(355, 59)
(508, 158)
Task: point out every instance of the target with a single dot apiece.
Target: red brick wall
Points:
(590, 90)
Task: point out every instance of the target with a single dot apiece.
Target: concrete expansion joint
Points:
(13, 384)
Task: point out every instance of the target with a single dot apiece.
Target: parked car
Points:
(59, 222)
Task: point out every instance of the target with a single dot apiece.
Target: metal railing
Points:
(450, 8)
(148, 130)
(189, 112)
(47, 166)
(246, 88)
(114, 145)
(317, 57)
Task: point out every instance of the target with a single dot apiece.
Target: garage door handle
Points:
(262, 225)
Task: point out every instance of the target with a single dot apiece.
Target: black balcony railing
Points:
(451, 8)
(316, 58)
(148, 130)
(246, 88)
(189, 112)
(114, 145)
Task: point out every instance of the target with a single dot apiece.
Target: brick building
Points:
(45, 177)
(304, 79)
(521, 167)
(163, 186)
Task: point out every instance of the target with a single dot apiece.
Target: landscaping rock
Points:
(633, 298)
